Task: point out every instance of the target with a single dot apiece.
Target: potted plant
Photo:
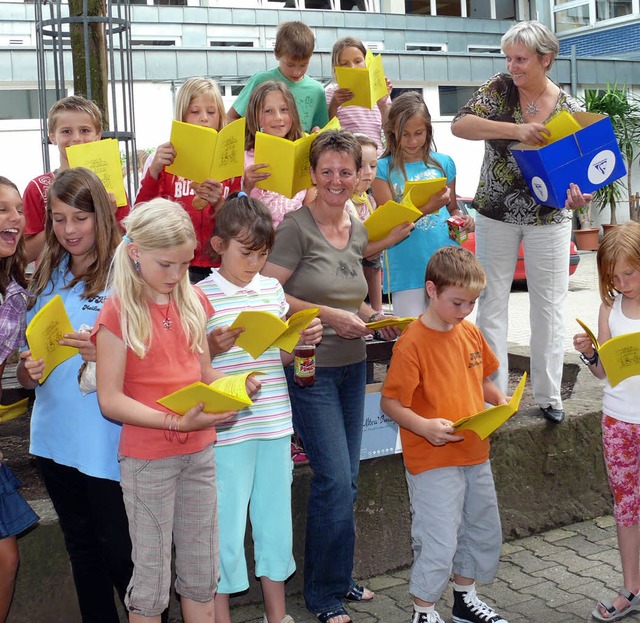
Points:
(623, 108)
(587, 235)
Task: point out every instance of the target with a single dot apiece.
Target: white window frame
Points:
(417, 46)
(211, 42)
(591, 4)
(484, 49)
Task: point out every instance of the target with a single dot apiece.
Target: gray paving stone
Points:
(571, 560)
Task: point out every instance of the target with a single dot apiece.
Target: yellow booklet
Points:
(263, 329)
(561, 125)
(419, 192)
(401, 323)
(202, 153)
(368, 84)
(389, 215)
(12, 411)
(44, 333)
(228, 393)
(287, 161)
(620, 355)
(487, 421)
(103, 158)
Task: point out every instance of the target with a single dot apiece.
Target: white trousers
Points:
(546, 252)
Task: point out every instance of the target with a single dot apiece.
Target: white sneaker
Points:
(287, 619)
(426, 617)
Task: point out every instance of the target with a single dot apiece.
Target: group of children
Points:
(127, 478)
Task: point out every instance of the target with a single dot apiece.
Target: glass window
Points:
(568, 19)
(609, 9)
(417, 7)
(352, 5)
(219, 43)
(23, 103)
(453, 98)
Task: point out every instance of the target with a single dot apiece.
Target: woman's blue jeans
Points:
(328, 417)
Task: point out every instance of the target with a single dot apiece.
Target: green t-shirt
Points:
(308, 93)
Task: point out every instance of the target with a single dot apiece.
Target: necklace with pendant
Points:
(167, 323)
(532, 109)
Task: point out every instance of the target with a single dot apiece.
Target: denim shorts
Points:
(173, 495)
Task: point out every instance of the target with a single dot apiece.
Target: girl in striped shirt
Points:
(253, 458)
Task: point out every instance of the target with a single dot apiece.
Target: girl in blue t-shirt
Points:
(410, 156)
(74, 445)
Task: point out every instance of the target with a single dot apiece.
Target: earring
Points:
(136, 266)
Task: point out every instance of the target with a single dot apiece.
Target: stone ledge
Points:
(547, 476)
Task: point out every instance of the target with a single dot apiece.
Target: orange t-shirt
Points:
(168, 366)
(439, 374)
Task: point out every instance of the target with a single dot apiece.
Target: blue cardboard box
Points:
(590, 158)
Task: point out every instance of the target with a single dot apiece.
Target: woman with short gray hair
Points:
(513, 107)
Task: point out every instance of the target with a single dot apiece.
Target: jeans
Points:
(546, 252)
(96, 534)
(328, 417)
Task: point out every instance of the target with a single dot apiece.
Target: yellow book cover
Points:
(388, 216)
(228, 393)
(202, 153)
(287, 162)
(103, 158)
(368, 84)
(419, 192)
(44, 333)
(487, 421)
(401, 323)
(620, 355)
(561, 125)
(12, 411)
(263, 329)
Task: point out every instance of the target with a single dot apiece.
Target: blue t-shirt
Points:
(407, 261)
(66, 426)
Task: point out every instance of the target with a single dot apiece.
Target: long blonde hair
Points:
(158, 224)
(199, 87)
(621, 243)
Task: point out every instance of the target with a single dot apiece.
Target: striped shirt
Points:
(270, 415)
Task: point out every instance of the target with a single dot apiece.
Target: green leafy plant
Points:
(623, 109)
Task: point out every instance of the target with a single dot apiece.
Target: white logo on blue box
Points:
(539, 188)
(601, 166)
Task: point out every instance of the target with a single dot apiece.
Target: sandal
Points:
(358, 592)
(614, 614)
(339, 611)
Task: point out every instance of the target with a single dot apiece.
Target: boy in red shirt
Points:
(438, 374)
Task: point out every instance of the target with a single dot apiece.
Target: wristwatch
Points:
(590, 361)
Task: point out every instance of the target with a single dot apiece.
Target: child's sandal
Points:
(613, 613)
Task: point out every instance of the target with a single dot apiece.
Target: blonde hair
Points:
(342, 44)
(404, 107)
(620, 243)
(295, 40)
(534, 36)
(198, 87)
(81, 189)
(74, 103)
(158, 224)
(457, 267)
(256, 106)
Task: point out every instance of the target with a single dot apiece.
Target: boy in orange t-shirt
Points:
(439, 373)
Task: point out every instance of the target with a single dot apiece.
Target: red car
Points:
(519, 274)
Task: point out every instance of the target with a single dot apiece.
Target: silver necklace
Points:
(532, 108)
(167, 323)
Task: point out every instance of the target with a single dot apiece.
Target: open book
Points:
(420, 191)
(44, 333)
(263, 329)
(12, 411)
(401, 323)
(228, 393)
(287, 161)
(368, 84)
(202, 153)
(487, 421)
(103, 158)
(390, 215)
(561, 125)
(620, 355)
